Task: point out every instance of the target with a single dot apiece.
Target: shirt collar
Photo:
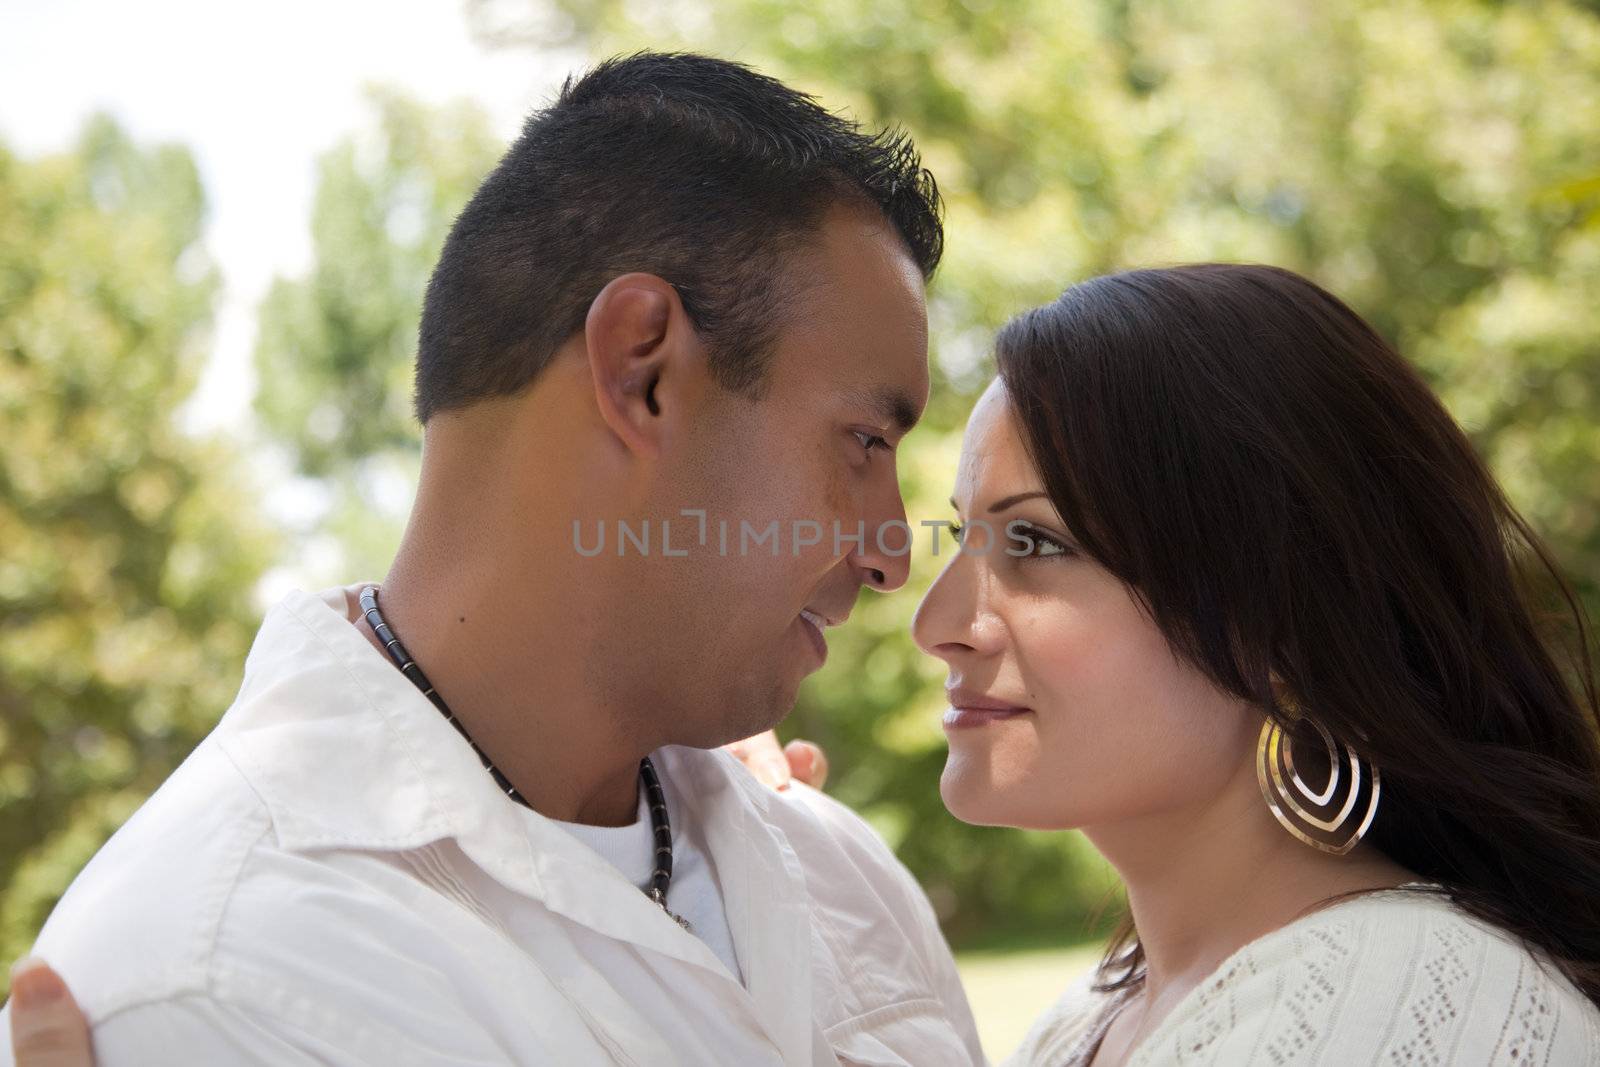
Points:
(345, 752)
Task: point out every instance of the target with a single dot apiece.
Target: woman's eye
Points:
(1043, 545)
(955, 532)
(869, 441)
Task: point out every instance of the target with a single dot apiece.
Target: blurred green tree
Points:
(335, 347)
(129, 553)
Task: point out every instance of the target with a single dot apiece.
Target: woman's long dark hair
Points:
(1287, 497)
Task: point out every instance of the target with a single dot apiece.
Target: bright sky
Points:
(256, 91)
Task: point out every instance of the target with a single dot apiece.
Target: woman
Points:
(1216, 533)
(1217, 540)
(1259, 541)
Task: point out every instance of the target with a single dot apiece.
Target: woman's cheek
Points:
(1066, 663)
(1095, 688)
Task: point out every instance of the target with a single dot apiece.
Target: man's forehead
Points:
(858, 316)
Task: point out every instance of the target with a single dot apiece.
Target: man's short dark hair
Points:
(695, 169)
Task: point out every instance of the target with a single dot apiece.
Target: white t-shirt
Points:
(695, 892)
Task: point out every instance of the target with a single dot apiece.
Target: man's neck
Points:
(567, 759)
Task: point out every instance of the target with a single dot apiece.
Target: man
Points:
(475, 815)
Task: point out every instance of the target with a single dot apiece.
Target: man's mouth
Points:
(814, 624)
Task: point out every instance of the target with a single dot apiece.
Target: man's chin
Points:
(715, 735)
(711, 719)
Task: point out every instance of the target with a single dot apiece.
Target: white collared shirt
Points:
(694, 895)
(331, 877)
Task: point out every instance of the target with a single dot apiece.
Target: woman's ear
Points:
(637, 335)
(1285, 697)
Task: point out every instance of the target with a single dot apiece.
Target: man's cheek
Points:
(839, 497)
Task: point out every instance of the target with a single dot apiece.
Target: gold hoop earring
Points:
(1317, 817)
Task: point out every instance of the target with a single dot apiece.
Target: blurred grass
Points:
(1008, 989)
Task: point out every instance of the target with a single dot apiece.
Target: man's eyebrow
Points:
(889, 404)
(1005, 502)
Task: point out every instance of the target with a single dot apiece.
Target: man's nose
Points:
(884, 557)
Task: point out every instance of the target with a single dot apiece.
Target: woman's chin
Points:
(970, 793)
(978, 790)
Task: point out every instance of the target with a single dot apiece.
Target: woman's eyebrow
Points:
(1014, 498)
(1006, 502)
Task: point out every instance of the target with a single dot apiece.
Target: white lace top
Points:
(1385, 978)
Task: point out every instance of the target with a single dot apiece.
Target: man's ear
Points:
(640, 344)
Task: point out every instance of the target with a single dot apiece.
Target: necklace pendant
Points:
(661, 898)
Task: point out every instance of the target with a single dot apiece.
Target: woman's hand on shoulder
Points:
(778, 765)
(47, 1028)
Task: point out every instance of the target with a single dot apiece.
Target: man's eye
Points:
(869, 441)
(955, 531)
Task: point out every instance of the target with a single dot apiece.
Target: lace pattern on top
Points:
(1385, 978)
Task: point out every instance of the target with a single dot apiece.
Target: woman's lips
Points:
(971, 709)
(961, 718)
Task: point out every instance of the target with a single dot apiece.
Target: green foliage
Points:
(335, 348)
(128, 552)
